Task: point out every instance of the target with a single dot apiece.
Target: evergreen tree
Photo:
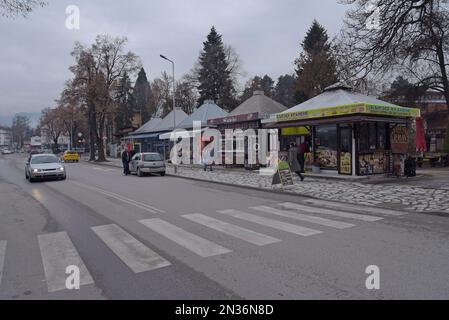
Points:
(214, 76)
(265, 84)
(126, 104)
(284, 92)
(142, 95)
(316, 66)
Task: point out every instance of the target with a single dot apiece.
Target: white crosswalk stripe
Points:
(244, 234)
(356, 208)
(341, 214)
(275, 224)
(58, 253)
(133, 253)
(303, 217)
(2, 257)
(190, 241)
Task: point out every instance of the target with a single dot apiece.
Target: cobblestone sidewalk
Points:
(401, 196)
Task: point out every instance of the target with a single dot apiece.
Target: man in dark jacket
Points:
(126, 158)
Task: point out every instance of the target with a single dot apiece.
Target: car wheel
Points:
(32, 180)
(139, 173)
(64, 178)
(26, 175)
(162, 174)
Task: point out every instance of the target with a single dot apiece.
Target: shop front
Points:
(359, 139)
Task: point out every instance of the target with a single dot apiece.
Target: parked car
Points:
(146, 163)
(44, 166)
(7, 151)
(70, 156)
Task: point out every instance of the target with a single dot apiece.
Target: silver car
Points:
(146, 163)
(44, 166)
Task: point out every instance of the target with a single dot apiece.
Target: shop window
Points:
(326, 146)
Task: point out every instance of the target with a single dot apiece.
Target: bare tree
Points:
(52, 121)
(384, 36)
(16, 8)
(97, 71)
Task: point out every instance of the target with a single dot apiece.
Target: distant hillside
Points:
(7, 120)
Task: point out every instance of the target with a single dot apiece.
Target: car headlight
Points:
(61, 169)
(36, 170)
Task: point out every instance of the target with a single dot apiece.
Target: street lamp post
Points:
(174, 90)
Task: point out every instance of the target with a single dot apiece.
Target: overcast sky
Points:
(35, 52)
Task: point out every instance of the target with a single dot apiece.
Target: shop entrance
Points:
(345, 149)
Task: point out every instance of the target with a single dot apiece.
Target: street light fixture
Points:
(174, 90)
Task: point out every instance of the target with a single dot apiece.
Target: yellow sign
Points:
(295, 131)
(355, 108)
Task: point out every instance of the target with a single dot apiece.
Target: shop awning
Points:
(342, 120)
(340, 101)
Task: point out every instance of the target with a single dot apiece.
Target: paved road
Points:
(170, 238)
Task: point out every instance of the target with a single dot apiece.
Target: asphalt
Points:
(411, 250)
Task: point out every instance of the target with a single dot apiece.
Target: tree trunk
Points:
(100, 142)
(92, 131)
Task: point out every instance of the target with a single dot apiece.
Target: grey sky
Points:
(35, 52)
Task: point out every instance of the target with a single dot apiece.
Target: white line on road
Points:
(288, 227)
(132, 202)
(190, 241)
(2, 257)
(344, 206)
(132, 252)
(341, 214)
(303, 217)
(247, 235)
(58, 252)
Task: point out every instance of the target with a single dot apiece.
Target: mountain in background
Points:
(7, 120)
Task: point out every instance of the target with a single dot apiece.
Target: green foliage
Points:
(316, 67)
(214, 76)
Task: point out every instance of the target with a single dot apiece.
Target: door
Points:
(345, 150)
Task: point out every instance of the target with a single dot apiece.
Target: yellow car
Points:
(70, 156)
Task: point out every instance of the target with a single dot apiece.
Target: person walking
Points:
(293, 160)
(126, 158)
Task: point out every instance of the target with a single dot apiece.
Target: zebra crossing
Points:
(58, 252)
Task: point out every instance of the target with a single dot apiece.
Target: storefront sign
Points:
(357, 108)
(234, 119)
(283, 175)
(399, 139)
(295, 131)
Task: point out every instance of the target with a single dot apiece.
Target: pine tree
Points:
(284, 92)
(265, 84)
(142, 95)
(126, 104)
(214, 76)
(316, 66)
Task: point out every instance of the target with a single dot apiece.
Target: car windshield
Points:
(152, 157)
(44, 159)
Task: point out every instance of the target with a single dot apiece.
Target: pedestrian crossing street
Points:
(58, 252)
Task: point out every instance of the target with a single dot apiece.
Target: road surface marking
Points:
(247, 235)
(58, 252)
(303, 217)
(341, 214)
(198, 245)
(344, 206)
(2, 257)
(288, 227)
(132, 252)
(135, 203)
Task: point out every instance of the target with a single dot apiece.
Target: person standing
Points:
(126, 158)
(293, 160)
(302, 155)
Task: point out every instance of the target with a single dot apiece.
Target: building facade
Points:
(5, 138)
